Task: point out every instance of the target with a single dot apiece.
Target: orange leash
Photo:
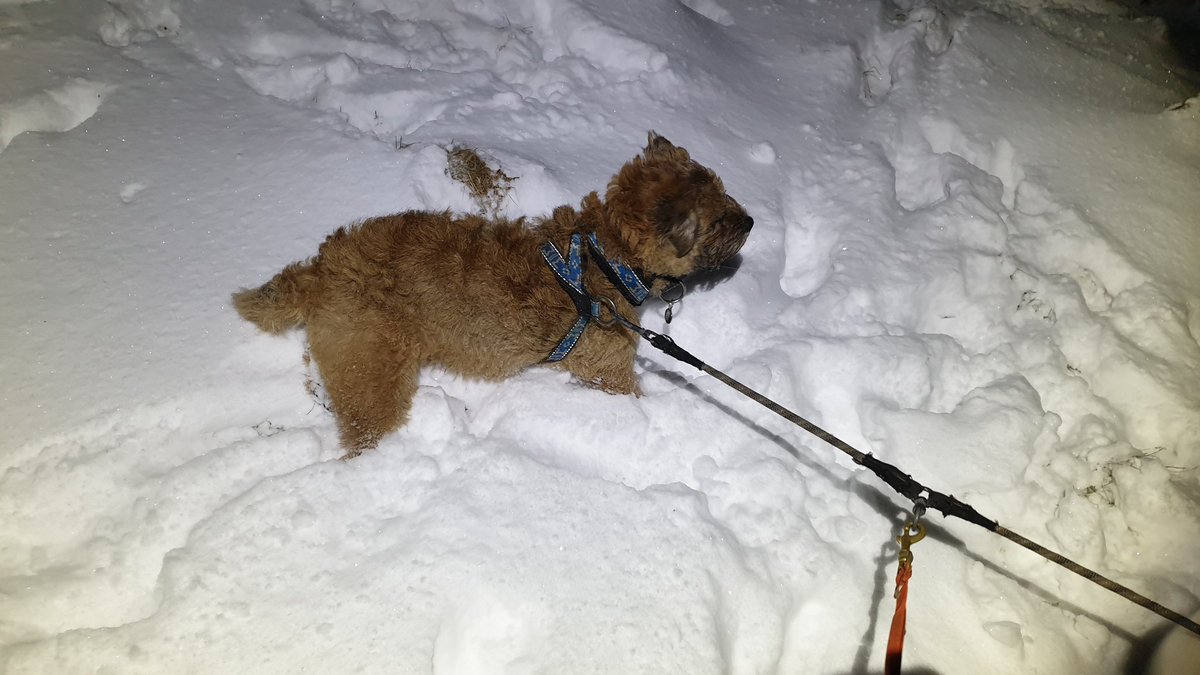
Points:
(895, 647)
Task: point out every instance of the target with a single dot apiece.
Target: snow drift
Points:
(974, 256)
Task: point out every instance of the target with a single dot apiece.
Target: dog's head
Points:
(673, 213)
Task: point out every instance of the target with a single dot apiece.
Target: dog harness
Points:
(569, 272)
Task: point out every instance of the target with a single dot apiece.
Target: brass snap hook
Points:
(913, 532)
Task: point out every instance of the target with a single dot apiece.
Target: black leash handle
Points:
(905, 484)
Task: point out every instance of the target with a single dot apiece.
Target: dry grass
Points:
(487, 186)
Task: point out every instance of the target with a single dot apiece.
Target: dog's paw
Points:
(614, 385)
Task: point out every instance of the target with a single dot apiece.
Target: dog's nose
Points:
(748, 223)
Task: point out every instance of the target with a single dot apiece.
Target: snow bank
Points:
(975, 261)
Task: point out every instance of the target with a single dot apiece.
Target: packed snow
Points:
(975, 255)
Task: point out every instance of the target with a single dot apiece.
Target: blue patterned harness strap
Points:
(569, 272)
(622, 276)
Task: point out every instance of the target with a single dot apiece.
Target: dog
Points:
(489, 298)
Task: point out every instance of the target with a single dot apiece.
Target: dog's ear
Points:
(679, 223)
(659, 146)
(654, 142)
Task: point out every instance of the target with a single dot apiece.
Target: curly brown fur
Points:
(387, 296)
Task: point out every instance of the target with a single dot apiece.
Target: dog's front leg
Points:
(604, 360)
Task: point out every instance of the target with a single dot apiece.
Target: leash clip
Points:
(913, 532)
(614, 317)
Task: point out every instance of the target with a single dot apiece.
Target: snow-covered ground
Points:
(975, 255)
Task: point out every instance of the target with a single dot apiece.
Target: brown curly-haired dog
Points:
(386, 296)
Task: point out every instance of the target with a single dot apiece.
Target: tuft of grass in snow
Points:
(487, 186)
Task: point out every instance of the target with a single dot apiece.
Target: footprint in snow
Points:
(130, 191)
(888, 52)
(763, 153)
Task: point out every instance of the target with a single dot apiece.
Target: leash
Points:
(899, 481)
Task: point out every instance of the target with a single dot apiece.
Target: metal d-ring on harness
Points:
(898, 480)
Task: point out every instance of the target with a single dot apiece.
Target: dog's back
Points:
(443, 278)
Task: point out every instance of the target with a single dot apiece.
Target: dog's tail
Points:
(281, 303)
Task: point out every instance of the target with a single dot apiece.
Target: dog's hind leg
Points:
(370, 374)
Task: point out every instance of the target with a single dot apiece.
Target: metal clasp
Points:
(913, 532)
(614, 317)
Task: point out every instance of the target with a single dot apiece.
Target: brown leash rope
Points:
(900, 481)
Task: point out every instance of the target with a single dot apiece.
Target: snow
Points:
(59, 109)
(974, 255)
